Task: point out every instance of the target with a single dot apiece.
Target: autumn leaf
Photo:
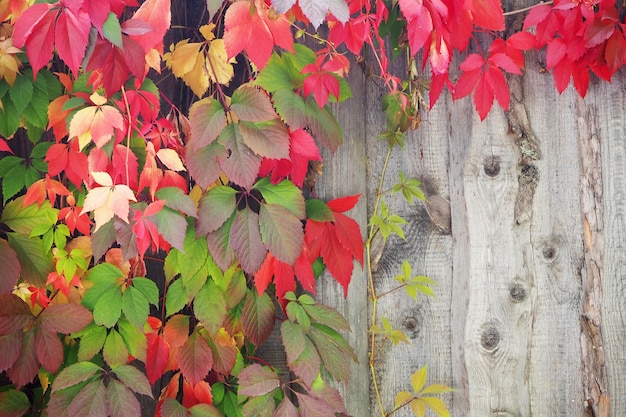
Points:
(43, 27)
(320, 83)
(108, 200)
(95, 123)
(250, 28)
(195, 358)
(9, 62)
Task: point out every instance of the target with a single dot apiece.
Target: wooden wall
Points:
(525, 232)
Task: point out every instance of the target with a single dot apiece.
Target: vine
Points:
(102, 171)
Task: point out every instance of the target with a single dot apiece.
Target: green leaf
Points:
(418, 379)
(172, 226)
(22, 91)
(35, 263)
(9, 118)
(176, 199)
(410, 188)
(293, 339)
(252, 105)
(112, 31)
(215, 208)
(36, 112)
(13, 183)
(148, 288)
(104, 276)
(108, 308)
(318, 210)
(133, 379)
(207, 119)
(135, 306)
(255, 380)
(204, 410)
(91, 342)
(210, 307)
(268, 139)
(176, 298)
(74, 375)
(8, 162)
(327, 316)
(334, 351)
(281, 232)
(262, 406)
(172, 408)
(307, 365)
(115, 352)
(324, 124)
(291, 108)
(279, 75)
(24, 219)
(134, 338)
(203, 165)
(13, 403)
(285, 194)
(258, 317)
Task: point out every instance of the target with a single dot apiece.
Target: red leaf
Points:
(71, 36)
(158, 14)
(497, 83)
(65, 318)
(4, 146)
(195, 358)
(349, 235)
(61, 157)
(248, 26)
(320, 83)
(488, 14)
(157, 355)
(35, 29)
(10, 346)
(483, 97)
(342, 204)
(26, 366)
(304, 272)
(114, 64)
(337, 259)
(11, 267)
(14, 314)
(49, 350)
(420, 28)
(255, 380)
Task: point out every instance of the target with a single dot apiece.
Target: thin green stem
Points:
(372, 289)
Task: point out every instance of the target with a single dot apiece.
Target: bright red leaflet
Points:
(248, 27)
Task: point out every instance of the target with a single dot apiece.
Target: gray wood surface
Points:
(523, 231)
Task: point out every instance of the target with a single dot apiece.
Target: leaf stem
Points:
(128, 135)
(525, 9)
(372, 289)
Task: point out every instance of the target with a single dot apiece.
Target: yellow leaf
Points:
(418, 407)
(9, 63)
(437, 406)
(418, 379)
(98, 99)
(184, 57)
(198, 79)
(207, 31)
(170, 159)
(219, 66)
(436, 389)
(153, 59)
(402, 398)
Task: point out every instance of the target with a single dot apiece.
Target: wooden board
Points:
(523, 232)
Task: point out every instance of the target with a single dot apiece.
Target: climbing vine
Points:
(150, 245)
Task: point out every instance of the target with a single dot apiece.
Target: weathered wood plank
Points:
(609, 103)
(344, 174)
(428, 247)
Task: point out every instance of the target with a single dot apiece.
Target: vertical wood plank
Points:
(344, 174)
(428, 248)
(610, 104)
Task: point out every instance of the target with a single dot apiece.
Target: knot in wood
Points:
(518, 293)
(410, 323)
(490, 337)
(549, 253)
(491, 166)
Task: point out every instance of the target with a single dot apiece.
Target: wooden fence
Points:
(524, 231)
